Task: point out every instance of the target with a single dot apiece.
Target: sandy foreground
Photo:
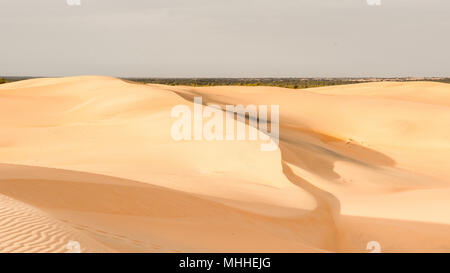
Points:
(91, 160)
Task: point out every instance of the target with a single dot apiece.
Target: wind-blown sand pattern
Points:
(91, 159)
(26, 229)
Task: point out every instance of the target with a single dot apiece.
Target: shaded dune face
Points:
(92, 160)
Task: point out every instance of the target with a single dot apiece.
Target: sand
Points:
(92, 160)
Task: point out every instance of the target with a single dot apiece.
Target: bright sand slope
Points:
(91, 159)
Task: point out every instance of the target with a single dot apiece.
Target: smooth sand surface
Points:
(92, 160)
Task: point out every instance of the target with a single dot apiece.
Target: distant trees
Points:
(446, 80)
(295, 83)
(2, 80)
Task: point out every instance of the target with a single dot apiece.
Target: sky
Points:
(225, 38)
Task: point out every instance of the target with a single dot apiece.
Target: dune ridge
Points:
(93, 156)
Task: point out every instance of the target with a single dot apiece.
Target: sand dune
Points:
(92, 160)
(24, 228)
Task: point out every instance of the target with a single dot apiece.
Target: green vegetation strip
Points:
(295, 83)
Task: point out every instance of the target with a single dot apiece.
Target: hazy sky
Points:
(225, 38)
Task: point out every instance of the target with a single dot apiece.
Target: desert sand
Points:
(91, 159)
